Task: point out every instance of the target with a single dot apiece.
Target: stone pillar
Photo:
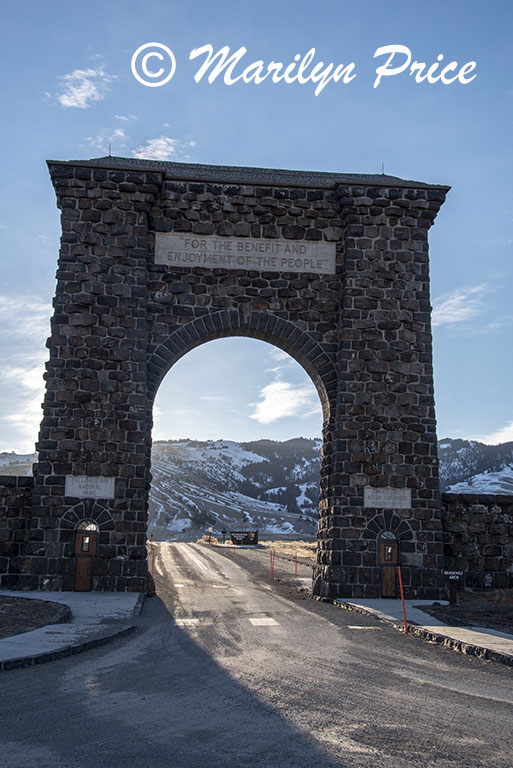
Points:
(95, 417)
(384, 435)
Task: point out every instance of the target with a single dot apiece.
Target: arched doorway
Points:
(85, 546)
(388, 560)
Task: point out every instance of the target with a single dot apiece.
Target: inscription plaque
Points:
(387, 498)
(84, 487)
(261, 254)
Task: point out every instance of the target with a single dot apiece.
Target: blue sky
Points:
(68, 91)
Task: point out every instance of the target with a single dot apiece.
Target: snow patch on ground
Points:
(487, 482)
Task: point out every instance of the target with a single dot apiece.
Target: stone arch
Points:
(88, 509)
(333, 269)
(388, 521)
(258, 325)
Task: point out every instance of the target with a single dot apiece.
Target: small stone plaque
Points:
(387, 498)
(261, 254)
(84, 487)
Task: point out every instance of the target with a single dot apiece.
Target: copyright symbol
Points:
(148, 76)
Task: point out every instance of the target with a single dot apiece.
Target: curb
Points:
(139, 604)
(460, 646)
(69, 650)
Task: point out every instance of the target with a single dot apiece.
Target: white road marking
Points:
(159, 571)
(358, 626)
(180, 586)
(264, 622)
(186, 551)
(186, 622)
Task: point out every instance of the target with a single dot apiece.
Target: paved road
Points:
(227, 670)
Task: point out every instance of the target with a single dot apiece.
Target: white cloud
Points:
(24, 316)
(460, 305)
(24, 421)
(501, 322)
(502, 435)
(213, 398)
(24, 322)
(29, 378)
(105, 140)
(278, 354)
(125, 118)
(281, 398)
(163, 148)
(23, 392)
(83, 87)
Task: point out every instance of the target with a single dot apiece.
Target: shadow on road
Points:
(158, 699)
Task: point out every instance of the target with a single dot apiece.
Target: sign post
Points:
(244, 538)
(454, 580)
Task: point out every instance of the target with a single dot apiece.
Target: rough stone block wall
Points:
(478, 538)
(387, 432)
(15, 512)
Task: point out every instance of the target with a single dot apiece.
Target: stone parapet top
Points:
(20, 481)
(477, 498)
(247, 175)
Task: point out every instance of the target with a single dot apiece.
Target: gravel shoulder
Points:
(21, 614)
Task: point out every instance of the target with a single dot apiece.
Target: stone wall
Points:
(15, 512)
(478, 538)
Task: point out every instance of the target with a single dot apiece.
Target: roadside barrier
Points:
(402, 598)
(272, 554)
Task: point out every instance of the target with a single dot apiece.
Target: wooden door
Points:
(85, 549)
(388, 559)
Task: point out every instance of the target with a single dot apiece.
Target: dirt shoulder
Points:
(21, 614)
(493, 610)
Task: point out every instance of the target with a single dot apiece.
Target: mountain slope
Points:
(473, 467)
(222, 484)
(270, 485)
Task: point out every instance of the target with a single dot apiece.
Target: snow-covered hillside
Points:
(270, 485)
(467, 466)
(17, 463)
(223, 484)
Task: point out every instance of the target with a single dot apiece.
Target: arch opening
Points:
(300, 345)
(232, 452)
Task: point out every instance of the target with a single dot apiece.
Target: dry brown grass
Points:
(305, 549)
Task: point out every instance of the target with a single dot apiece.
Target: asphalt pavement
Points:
(225, 669)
